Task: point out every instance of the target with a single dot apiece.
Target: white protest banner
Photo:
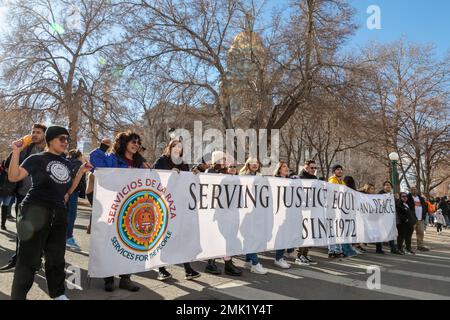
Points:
(143, 219)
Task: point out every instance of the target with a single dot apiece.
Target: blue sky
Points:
(418, 20)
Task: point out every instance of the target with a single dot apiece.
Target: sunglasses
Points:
(232, 167)
(313, 168)
(138, 142)
(64, 139)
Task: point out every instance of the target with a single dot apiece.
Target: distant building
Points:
(246, 68)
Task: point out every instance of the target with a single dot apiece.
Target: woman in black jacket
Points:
(172, 159)
(406, 219)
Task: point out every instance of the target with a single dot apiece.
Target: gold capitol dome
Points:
(248, 40)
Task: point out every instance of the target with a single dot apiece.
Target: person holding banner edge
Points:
(335, 250)
(219, 166)
(172, 160)
(253, 168)
(125, 154)
(282, 171)
(309, 173)
(387, 188)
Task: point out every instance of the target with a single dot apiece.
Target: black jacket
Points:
(165, 163)
(81, 189)
(404, 215)
(7, 188)
(422, 202)
(305, 175)
(443, 205)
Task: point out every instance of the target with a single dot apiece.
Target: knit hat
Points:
(53, 132)
(335, 167)
(216, 156)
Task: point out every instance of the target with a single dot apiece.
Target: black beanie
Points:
(53, 132)
(335, 167)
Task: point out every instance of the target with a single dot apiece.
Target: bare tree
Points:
(410, 102)
(49, 57)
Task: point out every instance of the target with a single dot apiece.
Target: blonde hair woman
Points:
(253, 167)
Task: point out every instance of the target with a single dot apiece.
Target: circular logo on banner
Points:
(143, 220)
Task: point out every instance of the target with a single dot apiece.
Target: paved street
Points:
(423, 276)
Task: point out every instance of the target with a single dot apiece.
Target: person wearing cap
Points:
(42, 221)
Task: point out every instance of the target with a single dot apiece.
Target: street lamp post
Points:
(393, 156)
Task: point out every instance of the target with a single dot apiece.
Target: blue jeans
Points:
(6, 200)
(253, 258)
(334, 248)
(347, 249)
(72, 213)
(279, 253)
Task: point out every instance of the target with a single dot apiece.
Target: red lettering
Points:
(161, 188)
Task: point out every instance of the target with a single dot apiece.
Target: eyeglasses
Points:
(138, 142)
(64, 139)
(313, 168)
